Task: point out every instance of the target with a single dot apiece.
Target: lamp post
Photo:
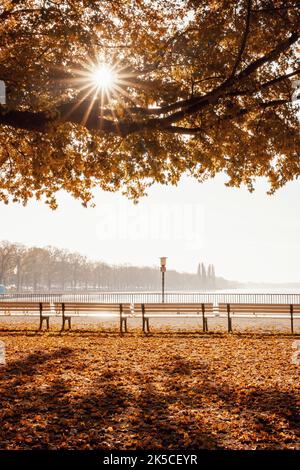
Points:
(163, 263)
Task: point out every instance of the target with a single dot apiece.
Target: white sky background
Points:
(247, 236)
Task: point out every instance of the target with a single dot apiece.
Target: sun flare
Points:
(103, 77)
(103, 83)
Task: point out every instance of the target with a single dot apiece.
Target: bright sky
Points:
(247, 236)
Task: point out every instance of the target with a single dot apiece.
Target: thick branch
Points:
(279, 49)
(264, 85)
(8, 13)
(40, 121)
(227, 117)
(244, 38)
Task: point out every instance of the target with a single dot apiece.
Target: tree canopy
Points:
(201, 87)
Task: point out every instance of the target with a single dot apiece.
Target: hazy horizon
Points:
(249, 237)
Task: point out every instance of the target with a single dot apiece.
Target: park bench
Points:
(252, 310)
(145, 311)
(96, 310)
(43, 310)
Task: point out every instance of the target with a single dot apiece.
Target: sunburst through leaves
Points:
(102, 81)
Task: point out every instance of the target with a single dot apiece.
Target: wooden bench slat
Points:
(254, 305)
(268, 308)
(160, 315)
(100, 314)
(166, 304)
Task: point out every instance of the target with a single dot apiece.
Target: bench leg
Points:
(206, 325)
(41, 323)
(123, 322)
(146, 328)
(229, 325)
(68, 319)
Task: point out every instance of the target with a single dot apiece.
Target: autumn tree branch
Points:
(244, 38)
(217, 92)
(227, 117)
(40, 121)
(164, 116)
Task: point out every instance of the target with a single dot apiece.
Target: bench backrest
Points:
(258, 308)
(96, 307)
(168, 308)
(20, 306)
(28, 307)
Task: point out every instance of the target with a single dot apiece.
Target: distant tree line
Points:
(53, 269)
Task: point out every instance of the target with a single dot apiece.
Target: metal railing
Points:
(144, 297)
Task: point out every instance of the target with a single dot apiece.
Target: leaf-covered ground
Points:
(93, 389)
